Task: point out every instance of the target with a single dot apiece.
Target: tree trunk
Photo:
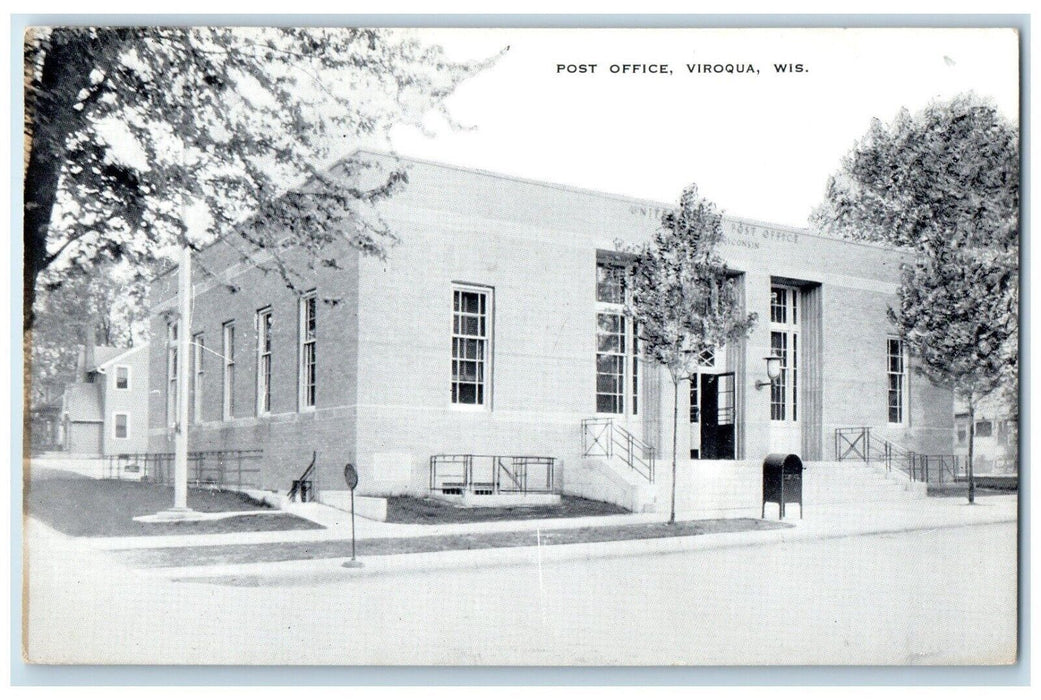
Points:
(675, 427)
(972, 438)
(47, 123)
(53, 118)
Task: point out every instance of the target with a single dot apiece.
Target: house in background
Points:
(105, 412)
(995, 448)
(492, 339)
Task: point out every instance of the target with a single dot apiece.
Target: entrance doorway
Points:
(712, 416)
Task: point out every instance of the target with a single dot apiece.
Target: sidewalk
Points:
(819, 523)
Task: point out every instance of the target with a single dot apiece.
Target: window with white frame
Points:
(122, 377)
(896, 378)
(171, 374)
(784, 343)
(264, 361)
(121, 426)
(228, 373)
(198, 348)
(308, 341)
(471, 345)
(617, 343)
(610, 363)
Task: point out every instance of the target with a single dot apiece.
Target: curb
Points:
(328, 570)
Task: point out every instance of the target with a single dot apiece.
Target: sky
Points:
(758, 143)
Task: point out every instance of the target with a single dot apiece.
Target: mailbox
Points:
(782, 481)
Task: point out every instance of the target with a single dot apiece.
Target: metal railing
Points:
(858, 444)
(304, 486)
(218, 469)
(602, 437)
(483, 475)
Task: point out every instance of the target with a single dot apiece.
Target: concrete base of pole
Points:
(173, 515)
(352, 564)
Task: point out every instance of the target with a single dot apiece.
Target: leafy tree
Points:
(132, 130)
(944, 185)
(106, 307)
(958, 315)
(683, 300)
(132, 133)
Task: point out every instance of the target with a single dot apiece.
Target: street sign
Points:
(351, 475)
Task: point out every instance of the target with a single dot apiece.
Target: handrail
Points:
(303, 485)
(483, 474)
(859, 444)
(602, 437)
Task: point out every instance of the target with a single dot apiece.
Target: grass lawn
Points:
(289, 551)
(104, 508)
(404, 509)
(960, 490)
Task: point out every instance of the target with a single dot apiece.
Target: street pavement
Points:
(934, 584)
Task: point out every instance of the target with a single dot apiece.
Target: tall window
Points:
(895, 377)
(471, 345)
(610, 363)
(308, 339)
(121, 426)
(122, 377)
(784, 343)
(264, 361)
(228, 378)
(198, 347)
(171, 374)
(617, 346)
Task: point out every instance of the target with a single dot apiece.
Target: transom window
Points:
(784, 343)
(471, 352)
(895, 377)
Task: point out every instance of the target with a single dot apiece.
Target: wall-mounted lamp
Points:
(773, 371)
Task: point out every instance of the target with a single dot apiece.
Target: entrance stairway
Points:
(834, 483)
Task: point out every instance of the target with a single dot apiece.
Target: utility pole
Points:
(180, 510)
(184, 335)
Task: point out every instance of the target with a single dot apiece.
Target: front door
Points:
(717, 416)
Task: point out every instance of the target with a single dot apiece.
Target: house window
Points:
(121, 426)
(784, 343)
(617, 343)
(895, 377)
(228, 378)
(263, 361)
(198, 347)
(471, 345)
(122, 377)
(308, 338)
(171, 374)
(984, 428)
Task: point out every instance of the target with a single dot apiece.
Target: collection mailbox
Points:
(782, 481)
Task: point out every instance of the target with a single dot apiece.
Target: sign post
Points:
(350, 474)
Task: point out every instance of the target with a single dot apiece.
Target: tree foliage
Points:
(683, 300)
(944, 185)
(945, 177)
(131, 131)
(106, 307)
